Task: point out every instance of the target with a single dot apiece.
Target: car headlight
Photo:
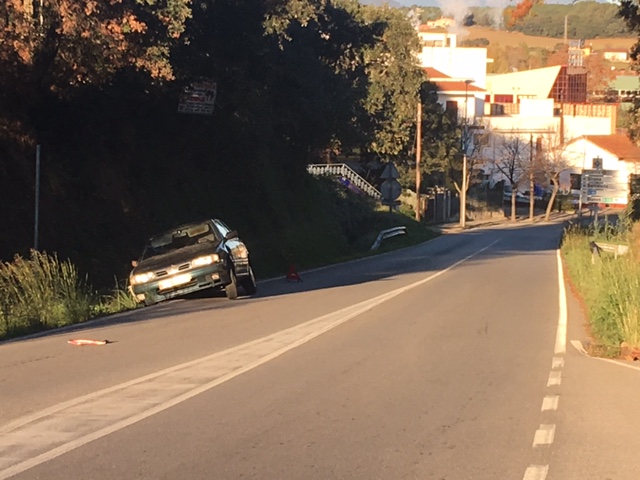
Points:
(206, 260)
(141, 278)
(240, 251)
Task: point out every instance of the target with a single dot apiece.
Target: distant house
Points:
(616, 54)
(625, 87)
(442, 22)
(458, 95)
(615, 153)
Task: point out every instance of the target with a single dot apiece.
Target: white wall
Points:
(475, 105)
(574, 127)
(463, 63)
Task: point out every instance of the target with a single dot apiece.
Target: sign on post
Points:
(198, 98)
(603, 186)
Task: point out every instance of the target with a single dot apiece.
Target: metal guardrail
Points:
(390, 232)
(345, 171)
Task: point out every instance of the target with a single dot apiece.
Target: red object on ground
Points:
(81, 342)
(292, 274)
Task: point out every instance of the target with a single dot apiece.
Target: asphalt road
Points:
(442, 361)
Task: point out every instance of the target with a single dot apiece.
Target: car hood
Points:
(175, 258)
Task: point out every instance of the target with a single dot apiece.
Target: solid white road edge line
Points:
(561, 332)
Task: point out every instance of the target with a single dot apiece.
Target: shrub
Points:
(41, 292)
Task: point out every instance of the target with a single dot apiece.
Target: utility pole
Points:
(531, 182)
(36, 220)
(565, 29)
(463, 192)
(418, 157)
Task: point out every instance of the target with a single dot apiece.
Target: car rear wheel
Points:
(231, 290)
(249, 283)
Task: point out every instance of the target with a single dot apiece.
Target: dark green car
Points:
(192, 257)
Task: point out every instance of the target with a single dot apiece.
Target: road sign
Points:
(390, 189)
(603, 186)
(198, 98)
(390, 171)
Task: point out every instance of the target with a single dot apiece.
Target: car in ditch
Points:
(192, 257)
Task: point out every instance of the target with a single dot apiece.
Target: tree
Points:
(553, 160)
(599, 73)
(393, 82)
(560, 56)
(511, 162)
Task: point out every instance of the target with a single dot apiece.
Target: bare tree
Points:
(474, 138)
(553, 161)
(512, 162)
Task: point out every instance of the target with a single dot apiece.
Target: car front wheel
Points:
(249, 283)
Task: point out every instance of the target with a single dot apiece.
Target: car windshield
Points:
(178, 238)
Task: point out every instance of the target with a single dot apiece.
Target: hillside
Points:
(503, 37)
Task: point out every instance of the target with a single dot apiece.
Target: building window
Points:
(503, 99)
(576, 181)
(452, 107)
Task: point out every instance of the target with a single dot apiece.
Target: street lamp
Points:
(463, 193)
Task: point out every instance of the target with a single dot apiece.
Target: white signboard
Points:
(198, 98)
(603, 186)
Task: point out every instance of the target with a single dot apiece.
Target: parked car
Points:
(192, 257)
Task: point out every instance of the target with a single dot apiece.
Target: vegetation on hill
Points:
(585, 20)
(96, 84)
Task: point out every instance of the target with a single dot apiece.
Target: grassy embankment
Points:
(42, 292)
(608, 285)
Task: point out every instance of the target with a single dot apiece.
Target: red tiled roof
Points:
(457, 86)
(424, 28)
(432, 73)
(618, 144)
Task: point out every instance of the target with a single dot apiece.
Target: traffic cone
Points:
(292, 274)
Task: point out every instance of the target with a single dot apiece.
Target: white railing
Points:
(390, 232)
(345, 171)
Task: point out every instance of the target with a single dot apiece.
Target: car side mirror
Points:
(134, 263)
(231, 235)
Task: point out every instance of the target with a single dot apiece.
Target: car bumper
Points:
(182, 283)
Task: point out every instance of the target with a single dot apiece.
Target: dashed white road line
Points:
(557, 362)
(550, 402)
(544, 435)
(555, 378)
(536, 472)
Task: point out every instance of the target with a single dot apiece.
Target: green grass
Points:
(609, 286)
(39, 293)
(42, 292)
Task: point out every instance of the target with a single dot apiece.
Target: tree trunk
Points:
(551, 200)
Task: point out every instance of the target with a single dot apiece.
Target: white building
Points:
(440, 51)
(458, 94)
(615, 153)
